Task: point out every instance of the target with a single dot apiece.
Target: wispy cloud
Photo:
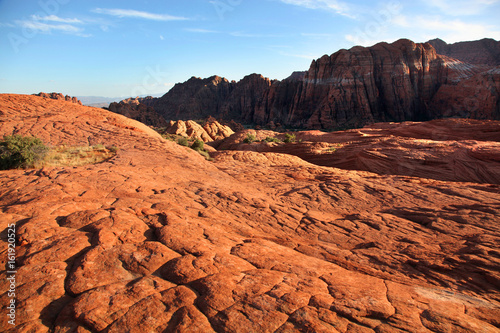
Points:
(130, 13)
(53, 18)
(50, 24)
(42, 27)
(335, 6)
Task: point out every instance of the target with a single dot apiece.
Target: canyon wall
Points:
(402, 81)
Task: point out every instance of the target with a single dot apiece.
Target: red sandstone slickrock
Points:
(157, 239)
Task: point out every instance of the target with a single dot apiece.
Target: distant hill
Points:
(100, 101)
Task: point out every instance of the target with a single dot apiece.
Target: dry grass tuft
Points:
(63, 156)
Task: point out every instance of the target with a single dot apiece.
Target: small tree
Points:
(17, 151)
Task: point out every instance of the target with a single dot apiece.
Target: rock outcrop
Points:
(59, 96)
(448, 150)
(477, 97)
(139, 109)
(351, 88)
(210, 131)
(157, 239)
(481, 52)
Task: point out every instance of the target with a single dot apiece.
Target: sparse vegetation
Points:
(183, 141)
(78, 156)
(198, 145)
(29, 152)
(18, 152)
(250, 138)
(289, 138)
(271, 139)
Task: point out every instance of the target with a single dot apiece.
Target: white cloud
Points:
(335, 6)
(45, 27)
(53, 18)
(138, 14)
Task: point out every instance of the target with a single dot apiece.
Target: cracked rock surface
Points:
(157, 239)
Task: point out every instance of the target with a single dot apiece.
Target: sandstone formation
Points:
(59, 96)
(350, 88)
(481, 52)
(139, 109)
(402, 81)
(447, 150)
(211, 131)
(158, 239)
(477, 97)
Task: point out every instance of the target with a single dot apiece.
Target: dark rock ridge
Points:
(481, 52)
(59, 96)
(139, 109)
(402, 81)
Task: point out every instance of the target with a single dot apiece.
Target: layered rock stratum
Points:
(157, 239)
(402, 81)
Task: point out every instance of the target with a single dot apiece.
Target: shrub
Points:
(17, 151)
(198, 145)
(250, 138)
(289, 138)
(270, 139)
(183, 142)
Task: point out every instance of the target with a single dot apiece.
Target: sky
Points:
(129, 48)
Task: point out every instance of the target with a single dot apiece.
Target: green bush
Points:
(17, 151)
(289, 138)
(250, 138)
(183, 142)
(270, 139)
(198, 144)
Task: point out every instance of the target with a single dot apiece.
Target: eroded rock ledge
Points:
(159, 239)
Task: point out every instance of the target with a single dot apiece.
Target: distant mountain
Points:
(100, 101)
(402, 81)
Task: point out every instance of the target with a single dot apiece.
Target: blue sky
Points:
(130, 48)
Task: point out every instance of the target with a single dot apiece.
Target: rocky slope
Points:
(159, 239)
(481, 52)
(447, 150)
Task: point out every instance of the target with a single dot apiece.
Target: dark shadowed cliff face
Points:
(481, 52)
(351, 88)
(477, 97)
(200, 98)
